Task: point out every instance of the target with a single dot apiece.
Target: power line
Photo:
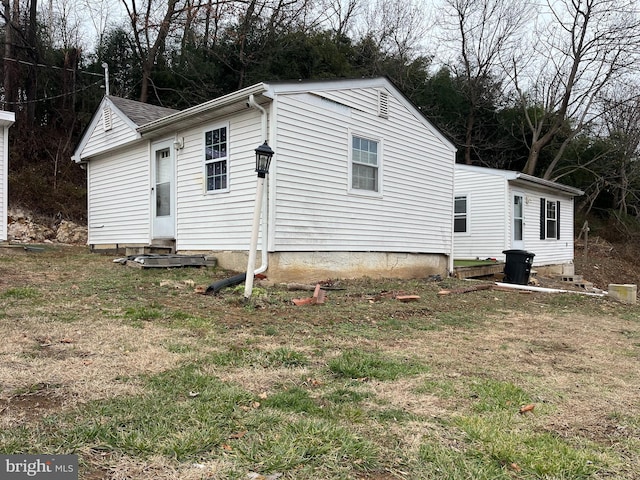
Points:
(54, 96)
(41, 65)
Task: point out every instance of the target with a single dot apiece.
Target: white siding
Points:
(549, 251)
(218, 221)
(314, 210)
(119, 196)
(4, 194)
(121, 133)
(488, 220)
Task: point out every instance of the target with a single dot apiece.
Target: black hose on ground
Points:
(225, 282)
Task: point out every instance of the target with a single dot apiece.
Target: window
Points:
(460, 214)
(549, 219)
(163, 182)
(216, 160)
(364, 164)
(518, 218)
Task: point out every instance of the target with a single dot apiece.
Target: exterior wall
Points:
(490, 219)
(405, 230)
(4, 194)
(119, 197)
(6, 120)
(488, 228)
(313, 209)
(218, 221)
(548, 251)
(121, 133)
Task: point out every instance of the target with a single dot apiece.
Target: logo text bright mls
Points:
(39, 467)
(30, 468)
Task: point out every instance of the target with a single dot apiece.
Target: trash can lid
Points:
(519, 252)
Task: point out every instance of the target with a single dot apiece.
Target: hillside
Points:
(604, 262)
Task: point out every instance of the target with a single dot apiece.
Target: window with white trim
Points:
(549, 219)
(216, 159)
(460, 214)
(365, 164)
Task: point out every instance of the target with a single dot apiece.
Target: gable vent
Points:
(383, 104)
(107, 122)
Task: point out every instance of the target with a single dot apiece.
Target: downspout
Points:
(264, 224)
(452, 232)
(244, 277)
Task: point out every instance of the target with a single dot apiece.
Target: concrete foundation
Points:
(317, 266)
(625, 293)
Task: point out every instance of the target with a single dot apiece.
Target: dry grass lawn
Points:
(79, 331)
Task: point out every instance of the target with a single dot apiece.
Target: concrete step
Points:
(571, 278)
(576, 280)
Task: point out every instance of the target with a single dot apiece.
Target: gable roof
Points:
(132, 113)
(152, 121)
(266, 91)
(521, 178)
(140, 113)
(7, 118)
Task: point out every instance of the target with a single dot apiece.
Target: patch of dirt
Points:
(604, 263)
(31, 406)
(75, 362)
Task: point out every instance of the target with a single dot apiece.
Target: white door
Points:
(163, 191)
(517, 228)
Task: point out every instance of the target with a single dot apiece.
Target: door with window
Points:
(163, 191)
(517, 229)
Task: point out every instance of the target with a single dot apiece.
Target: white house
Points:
(498, 210)
(360, 184)
(6, 120)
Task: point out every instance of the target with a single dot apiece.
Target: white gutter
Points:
(263, 246)
(184, 115)
(549, 184)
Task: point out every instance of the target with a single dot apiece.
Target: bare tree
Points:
(64, 24)
(256, 27)
(397, 26)
(98, 16)
(10, 14)
(340, 14)
(580, 48)
(621, 119)
(21, 53)
(482, 32)
(151, 26)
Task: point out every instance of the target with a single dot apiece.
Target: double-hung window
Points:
(216, 159)
(365, 164)
(549, 219)
(460, 214)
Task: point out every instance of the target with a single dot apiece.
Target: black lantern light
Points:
(263, 159)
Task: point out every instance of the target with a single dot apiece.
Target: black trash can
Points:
(517, 267)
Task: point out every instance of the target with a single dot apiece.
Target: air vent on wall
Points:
(107, 123)
(383, 104)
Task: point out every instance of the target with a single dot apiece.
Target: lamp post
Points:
(263, 159)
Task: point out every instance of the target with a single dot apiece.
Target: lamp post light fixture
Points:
(263, 159)
(264, 153)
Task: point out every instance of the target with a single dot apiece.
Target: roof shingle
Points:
(140, 113)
